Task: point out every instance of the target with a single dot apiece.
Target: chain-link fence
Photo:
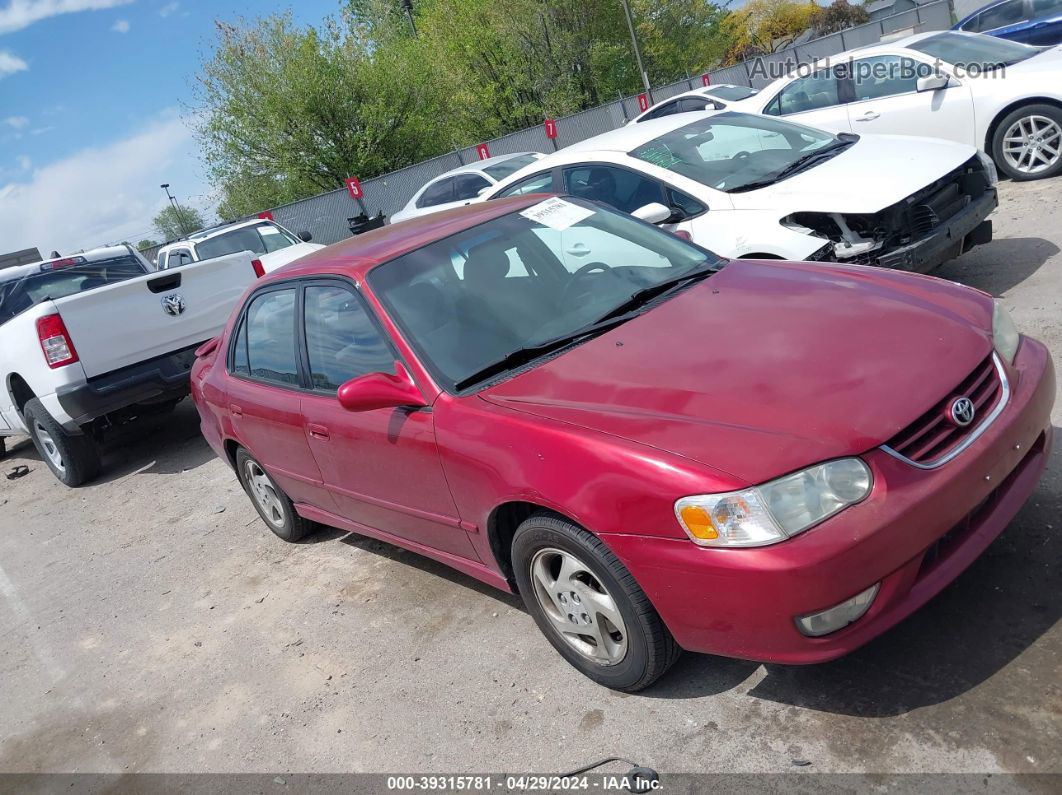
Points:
(325, 216)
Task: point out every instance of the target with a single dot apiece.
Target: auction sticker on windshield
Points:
(557, 213)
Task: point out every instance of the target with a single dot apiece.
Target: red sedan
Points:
(658, 449)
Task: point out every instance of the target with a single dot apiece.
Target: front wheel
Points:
(589, 606)
(73, 458)
(1027, 143)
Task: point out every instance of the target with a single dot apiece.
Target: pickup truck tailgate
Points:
(152, 315)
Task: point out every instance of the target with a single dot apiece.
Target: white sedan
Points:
(998, 95)
(462, 185)
(753, 186)
(716, 97)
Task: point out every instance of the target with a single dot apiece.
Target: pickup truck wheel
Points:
(1027, 143)
(73, 458)
(272, 504)
(589, 606)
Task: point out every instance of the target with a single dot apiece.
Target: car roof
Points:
(92, 255)
(479, 165)
(624, 139)
(358, 255)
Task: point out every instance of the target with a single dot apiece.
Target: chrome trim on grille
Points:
(975, 434)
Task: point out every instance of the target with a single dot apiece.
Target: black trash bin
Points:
(363, 223)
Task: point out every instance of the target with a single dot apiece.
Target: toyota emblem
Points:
(173, 304)
(962, 411)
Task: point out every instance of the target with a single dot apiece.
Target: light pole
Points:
(634, 43)
(407, 6)
(176, 207)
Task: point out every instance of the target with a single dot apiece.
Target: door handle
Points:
(235, 410)
(870, 115)
(317, 431)
(578, 250)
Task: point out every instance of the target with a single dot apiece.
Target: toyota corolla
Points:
(663, 450)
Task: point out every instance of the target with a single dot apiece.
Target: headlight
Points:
(1005, 335)
(774, 511)
(990, 167)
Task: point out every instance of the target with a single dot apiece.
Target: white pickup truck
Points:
(92, 340)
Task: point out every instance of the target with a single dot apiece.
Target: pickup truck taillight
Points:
(55, 341)
(259, 268)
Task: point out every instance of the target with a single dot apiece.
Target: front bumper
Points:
(915, 533)
(955, 236)
(161, 378)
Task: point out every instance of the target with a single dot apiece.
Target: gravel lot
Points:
(150, 622)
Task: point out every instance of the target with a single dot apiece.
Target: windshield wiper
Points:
(647, 294)
(801, 163)
(531, 352)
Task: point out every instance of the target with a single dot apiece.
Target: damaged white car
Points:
(753, 186)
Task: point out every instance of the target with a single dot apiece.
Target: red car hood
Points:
(765, 368)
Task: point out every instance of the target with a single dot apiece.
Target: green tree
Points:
(145, 244)
(171, 224)
(839, 15)
(289, 112)
(764, 26)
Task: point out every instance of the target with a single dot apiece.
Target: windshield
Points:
(974, 52)
(52, 280)
(471, 300)
(731, 150)
(259, 239)
(730, 93)
(500, 171)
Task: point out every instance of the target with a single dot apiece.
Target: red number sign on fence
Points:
(643, 102)
(706, 79)
(265, 215)
(353, 187)
(551, 128)
(483, 151)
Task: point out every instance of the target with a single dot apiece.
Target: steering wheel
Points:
(581, 275)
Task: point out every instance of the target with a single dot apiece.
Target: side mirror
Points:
(380, 391)
(653, 213)
(305, 236)
(931, 83)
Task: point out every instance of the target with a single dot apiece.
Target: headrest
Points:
(487, 263)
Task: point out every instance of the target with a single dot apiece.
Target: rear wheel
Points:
(1027, 143)
(73, 458)
(272, 504)
(589, 606)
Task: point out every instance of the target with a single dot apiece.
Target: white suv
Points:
(272, 245)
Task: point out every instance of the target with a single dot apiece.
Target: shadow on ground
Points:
(1000, 265)
(978, 625)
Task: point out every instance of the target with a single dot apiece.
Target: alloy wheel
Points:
(48, 445)
(265, 494)
(1033, 144)
(578, 606)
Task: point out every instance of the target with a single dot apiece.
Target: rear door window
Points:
(808, 93)
(439, 192)
(1002, 15)
(270, 337)
(537, 183)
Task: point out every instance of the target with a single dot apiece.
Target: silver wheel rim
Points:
(48, 445)
(578, 606)
(265, 494)
(1032, 144)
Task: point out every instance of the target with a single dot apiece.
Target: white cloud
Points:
(18, 122)
(24, 162)
(169, 8)
(11, 63)
(102, 194)
(121, 26)
(23, 13)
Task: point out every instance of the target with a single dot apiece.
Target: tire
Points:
(627, 658)
(1045, 124)
(272, 504)
(73, 458)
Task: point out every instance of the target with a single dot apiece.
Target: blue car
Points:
(1036, 22)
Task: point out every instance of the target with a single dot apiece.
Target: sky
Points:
(95, 102)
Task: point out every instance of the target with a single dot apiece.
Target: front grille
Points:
(933, 435)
